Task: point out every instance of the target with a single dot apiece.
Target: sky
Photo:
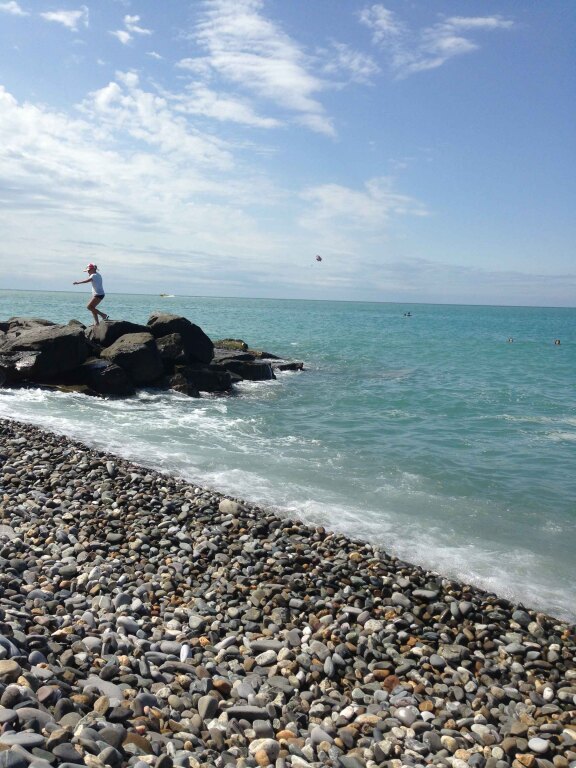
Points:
(425, 149)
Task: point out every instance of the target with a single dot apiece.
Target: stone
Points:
(540, 746)
(207, 707)
(202, 378)
(197, 346)
(137, 354)
(26, 739)
(53, 350)
(105, 377)
(255, 370)
(105, 334)
(10, 671)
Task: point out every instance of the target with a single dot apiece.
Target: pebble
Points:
(540, 746)
(150, 623)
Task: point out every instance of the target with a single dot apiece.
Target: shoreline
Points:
(212, 630)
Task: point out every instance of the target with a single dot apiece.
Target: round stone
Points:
(26, 739)
(540, 746)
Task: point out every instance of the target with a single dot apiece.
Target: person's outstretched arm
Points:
(79, 282)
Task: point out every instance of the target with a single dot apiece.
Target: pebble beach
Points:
(145, 621)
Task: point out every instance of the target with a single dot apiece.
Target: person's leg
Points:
(92, 304)
(103, 315)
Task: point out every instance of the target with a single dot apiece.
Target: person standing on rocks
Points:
(98, 294)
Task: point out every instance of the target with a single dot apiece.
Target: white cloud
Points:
(121, 35)
(356, 65)
(176, 191)
(479, 22)
(13, 8)
(383, 23)
(411, 51)
(70, 19)
(132, 28)
(154, 55)
(357, 209)
(198, 99)
(125, 107)
(342, 218)
(253, 53)
(130, 176)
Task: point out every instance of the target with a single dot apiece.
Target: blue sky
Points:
(424, 148)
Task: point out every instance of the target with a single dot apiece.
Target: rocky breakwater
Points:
(118, 357)
(148, 622)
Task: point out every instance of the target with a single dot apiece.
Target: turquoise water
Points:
(430, 435)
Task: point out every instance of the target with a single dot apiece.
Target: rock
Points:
(407, 715)
(12, 759)
(138, 355)
(25, 739)
(49, 351)
(231, 344)
(290, 365)
(270, 747)
(106, 333)
(247, 712)
(10, 671)
(179, 382)
(207, 707)
(105, 377)
(522, 617)
(197, 346)
(205, 378)
(171, 348)
(223, 356)
(540, 746)
(228, 507)
(15, 325)
(116, 356)
(255, 370)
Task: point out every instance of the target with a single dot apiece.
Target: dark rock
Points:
(18, 366)
(53, 349)
(106, 333)
(113, 735)
(256, 370)
(105, 377)
(261, 354)
(171, 348)
(68, 753)
(110, 756)
(292, 365)
(138, 355)
(221, 356)
(197, 346)
(179, 382)
(204, 378)
(12, 759)
(234, 344)
(19, 324)
(207, 707)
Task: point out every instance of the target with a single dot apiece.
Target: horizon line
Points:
(277, 298)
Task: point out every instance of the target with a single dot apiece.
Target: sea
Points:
(444, 434)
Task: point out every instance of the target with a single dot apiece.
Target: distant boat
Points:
(167, 296)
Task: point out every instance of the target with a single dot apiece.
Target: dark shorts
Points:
(99, 295)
